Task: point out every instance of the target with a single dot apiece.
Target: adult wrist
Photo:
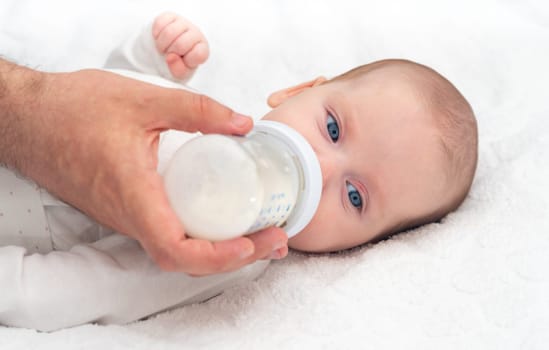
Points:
(21, 89)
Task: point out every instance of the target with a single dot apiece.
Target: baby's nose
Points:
(327, 166)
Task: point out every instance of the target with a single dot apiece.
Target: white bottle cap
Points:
(309, 194)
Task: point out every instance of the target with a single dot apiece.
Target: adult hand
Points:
(91, 138)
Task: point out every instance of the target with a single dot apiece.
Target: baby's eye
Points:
(333, 128)
(354, 196)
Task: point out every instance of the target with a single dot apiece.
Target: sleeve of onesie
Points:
(109, 281)
(139, 53)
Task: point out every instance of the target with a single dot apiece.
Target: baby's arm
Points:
(171, 47)
(109, 281)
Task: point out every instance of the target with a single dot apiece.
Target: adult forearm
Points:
(20, 91)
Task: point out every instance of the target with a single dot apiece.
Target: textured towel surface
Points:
(477, 280)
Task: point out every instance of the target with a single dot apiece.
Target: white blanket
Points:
(477, 280)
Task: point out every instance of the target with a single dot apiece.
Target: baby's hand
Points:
(181, 42)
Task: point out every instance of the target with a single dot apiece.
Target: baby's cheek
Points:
(317, 236)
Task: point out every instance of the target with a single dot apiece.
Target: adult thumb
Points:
(193, 112)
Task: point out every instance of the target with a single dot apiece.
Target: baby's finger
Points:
(171, 33)
(177, 67)
(161, 22)
(185, 42)
(198, 55)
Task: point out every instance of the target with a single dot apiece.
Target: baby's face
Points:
(379, 153)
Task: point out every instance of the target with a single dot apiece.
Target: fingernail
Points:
(239, 120)
(279, 245)
(247, 252)
(275, 255)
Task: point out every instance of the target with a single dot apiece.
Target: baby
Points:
(397, 145)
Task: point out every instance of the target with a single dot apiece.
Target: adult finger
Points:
(207, 257)
(162, 236)
(151, 219)
(199, 257)
(270, 243)
(265, 242)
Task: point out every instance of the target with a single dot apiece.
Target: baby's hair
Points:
(456, 123)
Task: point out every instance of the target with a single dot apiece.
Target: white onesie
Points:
(59, 268)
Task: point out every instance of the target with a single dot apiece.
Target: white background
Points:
(478, 280)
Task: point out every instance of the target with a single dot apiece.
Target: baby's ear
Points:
(280, 96)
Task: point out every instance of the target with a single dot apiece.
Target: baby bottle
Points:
(222, 186)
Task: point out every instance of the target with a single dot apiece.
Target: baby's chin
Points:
(321, 241)
(308, 242)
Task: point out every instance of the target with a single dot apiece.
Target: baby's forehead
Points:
(401, 78)
(386, 90)
(388, 104)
